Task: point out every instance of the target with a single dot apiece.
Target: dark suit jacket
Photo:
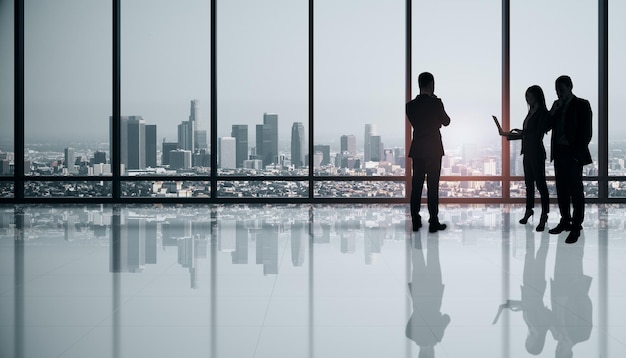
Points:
(534, 128)
(578, 130)
(426, 115)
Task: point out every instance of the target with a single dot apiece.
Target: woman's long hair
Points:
(537, 92)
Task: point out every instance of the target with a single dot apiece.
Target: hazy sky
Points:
(263, 62)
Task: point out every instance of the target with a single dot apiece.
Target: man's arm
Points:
(445, 119)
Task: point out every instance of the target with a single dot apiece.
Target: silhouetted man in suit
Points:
(571, 134)
(427, 115)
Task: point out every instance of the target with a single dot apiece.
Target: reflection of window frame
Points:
(116, 179)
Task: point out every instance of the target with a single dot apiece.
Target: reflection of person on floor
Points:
(426, 324)
(535, 313)
(571, 305)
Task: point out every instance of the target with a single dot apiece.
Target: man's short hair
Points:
(565, 80)
(424, 79)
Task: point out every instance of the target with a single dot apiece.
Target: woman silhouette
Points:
(536, 124)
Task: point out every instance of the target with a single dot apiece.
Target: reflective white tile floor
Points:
(307, 281)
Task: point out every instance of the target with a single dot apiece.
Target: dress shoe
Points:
(542, 222)
(573, 236)
(527, 214)
(436, 226)
(562, 226)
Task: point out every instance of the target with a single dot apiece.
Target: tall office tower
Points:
(348, 144)
(151, 145)
(325, 150)
(70, 159)
(240, 133)
(166, 148)
(99, 157)
(136, 130)
(180, 159)
(270, 138)
(227, 152)
(151, 242)
(186, 136)
(297, 144)
(194, 113)
(258, 149)
(376, 148)
(370, 130)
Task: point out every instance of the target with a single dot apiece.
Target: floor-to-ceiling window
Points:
(617, 93)
(165, 92)
(7, 108)
(359, 98)
(464, 55)
(262, 98)
(550, 39)
(67, 97)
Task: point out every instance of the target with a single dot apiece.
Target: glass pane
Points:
(166, 189)
(617, 189)
(67, 87)
(7, 92)
(562, 40)
(67, 189)
(518, 189)
(262, 56)
(165, 124)
(7, 189)
(459, 42)
(359, 88)
(263, 189)
(470, 189)
(360, 189)
(617, 92)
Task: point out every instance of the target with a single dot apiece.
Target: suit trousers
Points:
(429, 168)
(535, 173)
(569, 186)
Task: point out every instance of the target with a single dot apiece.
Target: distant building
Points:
(186, 136)
(376, 148)
(70, 160)
(240, 133)
(297, 144)
(151, 146)
(99, 157)
(370, 130)
(227, 155)
(166, 148)
(267, 138)
(348, 144)
(325, 150)
(180, 159)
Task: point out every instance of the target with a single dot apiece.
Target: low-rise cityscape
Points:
(143, 155)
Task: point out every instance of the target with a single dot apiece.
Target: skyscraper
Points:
(151, 145)
(200, 137)
(376, 148)
(186, 135)
(270, 138)
(348, 144)
(370, 130)
(297, 144)
(227, 149)
(240, 133)
(136, 143)
(70, 158)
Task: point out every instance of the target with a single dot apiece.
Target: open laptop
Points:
(512, 135)
(495, 120)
